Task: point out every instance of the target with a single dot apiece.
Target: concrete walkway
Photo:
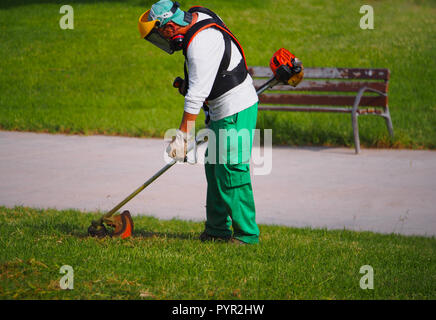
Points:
(379, 190)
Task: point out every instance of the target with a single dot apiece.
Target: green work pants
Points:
(230, 202)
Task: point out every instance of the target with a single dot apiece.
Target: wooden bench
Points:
(335, 82)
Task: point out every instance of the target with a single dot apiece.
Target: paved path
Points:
(379, 190)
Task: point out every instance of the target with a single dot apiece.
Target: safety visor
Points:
(149, 32)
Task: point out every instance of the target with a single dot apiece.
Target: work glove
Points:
(177, 148)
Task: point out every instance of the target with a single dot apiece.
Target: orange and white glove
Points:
(177, 148)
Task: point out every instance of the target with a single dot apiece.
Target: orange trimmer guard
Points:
(122, 223)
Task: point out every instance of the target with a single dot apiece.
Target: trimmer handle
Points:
(179, 83)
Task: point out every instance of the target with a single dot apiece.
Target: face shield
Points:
(149, 31)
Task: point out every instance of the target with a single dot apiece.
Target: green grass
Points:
(100, 78)
(164, 260)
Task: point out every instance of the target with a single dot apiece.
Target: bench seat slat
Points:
(318, 109)
(323, 100)
(329, 86)
(305, 109)
(329, 73)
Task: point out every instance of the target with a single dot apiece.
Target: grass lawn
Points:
(100, 78)
(164, 260)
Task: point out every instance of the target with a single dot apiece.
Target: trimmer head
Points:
(122, 224)
(98, 231)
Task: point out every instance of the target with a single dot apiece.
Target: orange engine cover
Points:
(281, 58)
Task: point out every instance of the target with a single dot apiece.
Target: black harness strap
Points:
(224, 80)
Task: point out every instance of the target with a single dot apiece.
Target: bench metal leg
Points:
(354, 115)
(355, 124)
(388, 120)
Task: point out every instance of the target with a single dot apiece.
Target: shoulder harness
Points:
(225, 80)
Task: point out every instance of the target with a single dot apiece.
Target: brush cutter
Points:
(123, 223)
(286, 68)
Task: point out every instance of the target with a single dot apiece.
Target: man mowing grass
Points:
(215, 74)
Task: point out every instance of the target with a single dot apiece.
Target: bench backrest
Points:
(326, 80)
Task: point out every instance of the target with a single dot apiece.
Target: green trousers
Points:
(230, 202)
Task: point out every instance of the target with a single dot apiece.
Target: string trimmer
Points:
(286, 68)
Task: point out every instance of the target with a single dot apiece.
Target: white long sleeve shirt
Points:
(204, 56)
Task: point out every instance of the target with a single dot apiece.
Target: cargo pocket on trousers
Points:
(236, 175)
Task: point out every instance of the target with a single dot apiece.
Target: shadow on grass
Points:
(167, 235)
(82, 233)
(71, 230)
(295, 130)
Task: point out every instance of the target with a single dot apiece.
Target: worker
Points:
(216, 78)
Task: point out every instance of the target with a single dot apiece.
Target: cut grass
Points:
(165, 260)
(100, 78)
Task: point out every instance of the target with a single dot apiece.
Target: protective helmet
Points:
(158, 16)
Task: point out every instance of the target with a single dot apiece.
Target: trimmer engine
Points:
(286, 67)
